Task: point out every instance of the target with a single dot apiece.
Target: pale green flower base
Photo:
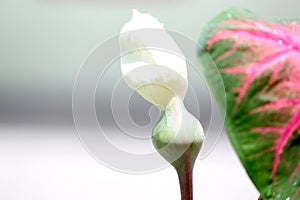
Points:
(178, 137)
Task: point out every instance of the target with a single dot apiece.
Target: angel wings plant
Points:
(259, 62)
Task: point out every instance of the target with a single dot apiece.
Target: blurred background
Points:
(43, 44)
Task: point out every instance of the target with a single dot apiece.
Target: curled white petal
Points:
(158, 74)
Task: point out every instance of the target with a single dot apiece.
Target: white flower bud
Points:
(160, 76)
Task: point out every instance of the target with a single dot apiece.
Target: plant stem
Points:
(260, 198)
(184, 167)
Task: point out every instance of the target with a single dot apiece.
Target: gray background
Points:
(43, 44)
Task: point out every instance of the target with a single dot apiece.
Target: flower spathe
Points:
(156, 74)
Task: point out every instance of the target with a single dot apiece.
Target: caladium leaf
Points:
(259, 62)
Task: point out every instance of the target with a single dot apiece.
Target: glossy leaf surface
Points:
(260, 66)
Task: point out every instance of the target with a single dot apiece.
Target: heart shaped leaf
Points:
(259, 62)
